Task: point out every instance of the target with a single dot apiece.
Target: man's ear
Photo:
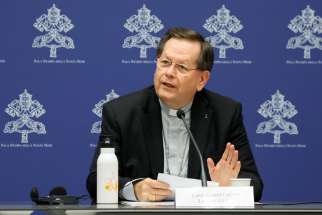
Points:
(204, 77)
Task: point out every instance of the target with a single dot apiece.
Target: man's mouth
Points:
(168, 85)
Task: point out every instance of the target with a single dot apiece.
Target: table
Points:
(273, 208)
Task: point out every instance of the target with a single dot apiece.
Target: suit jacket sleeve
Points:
(238, 137)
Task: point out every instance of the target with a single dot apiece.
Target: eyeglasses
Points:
(164, 63)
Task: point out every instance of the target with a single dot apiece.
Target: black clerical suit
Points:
(135, 123)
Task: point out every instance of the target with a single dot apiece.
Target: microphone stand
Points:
(181, 115)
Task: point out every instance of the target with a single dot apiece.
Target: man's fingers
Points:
(211, 163)
(236, 169)
(156, 194)
(230, 153)
(156, 198)
(161, 192)
(211, 168)
(234, 159)
(152, 190)
(155, 184)
(159, 188)
(225, 155)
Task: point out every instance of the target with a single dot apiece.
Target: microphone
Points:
(181, 115)
(61, 191)
(57, 195)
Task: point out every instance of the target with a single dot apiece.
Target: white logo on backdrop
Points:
(307, 25)
(25, 109)
(54, 23)
(277, 110)
(223, 24)
(96, 127)
(143, 24)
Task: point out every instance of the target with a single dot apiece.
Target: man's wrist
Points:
(127, 192)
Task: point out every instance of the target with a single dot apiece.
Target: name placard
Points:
(215, 197)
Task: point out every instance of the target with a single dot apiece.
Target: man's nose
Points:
(171, 70)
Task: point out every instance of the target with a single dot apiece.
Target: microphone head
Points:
(34, 194)
(180, 114)
(58, 191)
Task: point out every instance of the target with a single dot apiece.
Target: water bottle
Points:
(107, 174)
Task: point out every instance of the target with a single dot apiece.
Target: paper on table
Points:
(147, 204)
(180, 182)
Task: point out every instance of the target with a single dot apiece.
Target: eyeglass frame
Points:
(176, 66)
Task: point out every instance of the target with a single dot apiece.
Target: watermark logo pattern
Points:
(97, 110)
(224, 24)
(307, 25)
(143, 24)
(277, 110)
(25, 109)
(55, 24)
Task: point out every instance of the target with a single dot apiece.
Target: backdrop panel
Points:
(61, 60)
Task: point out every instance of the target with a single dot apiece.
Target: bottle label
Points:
(111, 186)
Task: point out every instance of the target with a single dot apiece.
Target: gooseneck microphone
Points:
(181, 115)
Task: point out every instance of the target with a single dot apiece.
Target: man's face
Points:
(173, 86)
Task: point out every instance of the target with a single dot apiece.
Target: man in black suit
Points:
(150, 139)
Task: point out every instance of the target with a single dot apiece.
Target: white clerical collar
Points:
(173, 112)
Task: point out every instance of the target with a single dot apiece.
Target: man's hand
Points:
(151, 190)
(228, 167)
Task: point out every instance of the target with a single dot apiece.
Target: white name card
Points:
(215, 197)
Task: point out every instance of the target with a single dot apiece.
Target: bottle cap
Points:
(107, 141)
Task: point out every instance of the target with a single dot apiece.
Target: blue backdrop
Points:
(60, 60)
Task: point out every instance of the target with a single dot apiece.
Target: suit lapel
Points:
(200, 124)
(152, 125)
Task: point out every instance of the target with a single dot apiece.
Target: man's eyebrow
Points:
(185, 62)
